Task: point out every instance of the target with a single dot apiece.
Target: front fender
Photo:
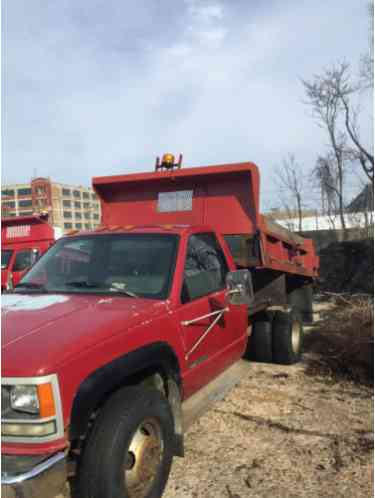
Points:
(100, 384)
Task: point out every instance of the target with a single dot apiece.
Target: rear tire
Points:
(301, 301)
(287, 338)
(260, 341)
(130, 449)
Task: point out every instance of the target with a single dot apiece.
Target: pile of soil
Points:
(347, 267)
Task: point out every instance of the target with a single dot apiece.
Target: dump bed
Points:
(225, 197)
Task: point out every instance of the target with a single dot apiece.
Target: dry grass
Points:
(345, 338)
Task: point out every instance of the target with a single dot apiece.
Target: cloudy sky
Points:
(96, 87)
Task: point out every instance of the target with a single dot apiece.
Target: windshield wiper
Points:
(120, 288)
(31, 286)
(81, 283)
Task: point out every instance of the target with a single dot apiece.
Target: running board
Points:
(200, 402)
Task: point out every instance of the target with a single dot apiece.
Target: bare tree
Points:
(290, 180)
(328, 177)
(367, 60)
(326, 102)
(341, 88)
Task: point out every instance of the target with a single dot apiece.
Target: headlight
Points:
(31, 409)
(24, 399)
(33, 399)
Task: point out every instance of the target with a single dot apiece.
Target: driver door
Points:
(213, 331)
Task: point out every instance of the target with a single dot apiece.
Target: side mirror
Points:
(240, 287)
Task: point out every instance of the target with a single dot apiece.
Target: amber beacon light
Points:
(168, 162)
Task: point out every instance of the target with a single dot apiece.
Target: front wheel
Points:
(129, 452)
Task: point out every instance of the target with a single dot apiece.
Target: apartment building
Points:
(69, 207)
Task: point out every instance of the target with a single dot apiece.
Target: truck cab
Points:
(23, 240)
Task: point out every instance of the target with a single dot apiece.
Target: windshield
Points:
(136, 265)
(6, 254)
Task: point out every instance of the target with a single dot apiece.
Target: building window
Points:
(8, 192)
(26, 213)
(77, 194)
(78, 216)
(10, 204)
(66, 191)
(85, 195)
(94, 196)
(67, 214)
(95, 216)
(79, 225)
(77, 205)
(68, 225)
(40, 190)
(87, 216)
(67, 204)
(25, 204)
(96, 206)
(87, 226)
(24, 191)
(86, 205)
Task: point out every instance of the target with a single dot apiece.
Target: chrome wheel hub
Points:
(143, 459)
(296, 337)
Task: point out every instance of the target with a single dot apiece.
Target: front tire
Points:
(130, 449)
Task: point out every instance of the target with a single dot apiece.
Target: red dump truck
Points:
(23, 240)
(117, 339)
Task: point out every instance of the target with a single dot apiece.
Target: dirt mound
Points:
(348, 267)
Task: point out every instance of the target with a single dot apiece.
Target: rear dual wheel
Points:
(277, 337)
(287, 338)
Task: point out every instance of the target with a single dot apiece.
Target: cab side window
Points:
(205, 267)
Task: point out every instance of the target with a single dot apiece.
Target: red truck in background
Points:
(117, 339)
(23, 240)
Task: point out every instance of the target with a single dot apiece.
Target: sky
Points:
(101, 87)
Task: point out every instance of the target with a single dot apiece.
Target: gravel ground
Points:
(280, 433)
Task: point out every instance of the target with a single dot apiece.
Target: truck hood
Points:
(44, 330)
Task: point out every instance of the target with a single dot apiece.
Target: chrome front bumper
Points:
(44, 480)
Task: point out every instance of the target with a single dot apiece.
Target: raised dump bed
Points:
(225, 197)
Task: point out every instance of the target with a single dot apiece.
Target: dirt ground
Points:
(280, 433)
